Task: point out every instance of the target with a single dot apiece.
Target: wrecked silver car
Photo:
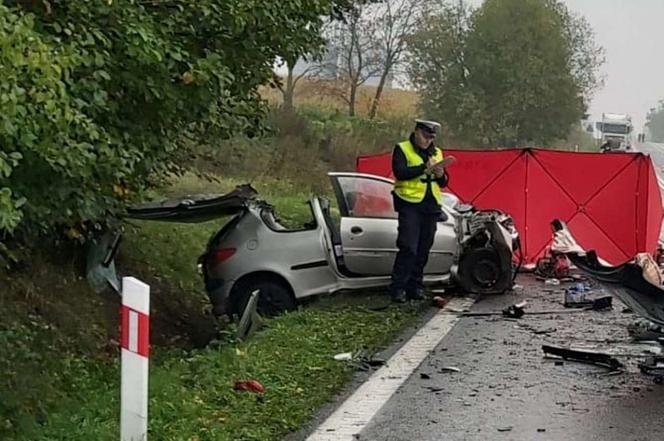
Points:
(350, 246)
(637, 283)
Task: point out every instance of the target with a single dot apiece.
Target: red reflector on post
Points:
(223, 254)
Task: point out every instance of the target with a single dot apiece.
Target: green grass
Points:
(191, 395)
(59, 373)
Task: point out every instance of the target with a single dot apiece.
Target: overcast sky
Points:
(632, 34)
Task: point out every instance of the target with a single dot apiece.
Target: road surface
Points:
(506, 390)
(656, 152)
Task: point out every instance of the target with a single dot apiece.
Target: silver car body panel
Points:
(305, 259)
(309, 260)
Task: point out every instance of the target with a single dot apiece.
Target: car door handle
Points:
(356, 230)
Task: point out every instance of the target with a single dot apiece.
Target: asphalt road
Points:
(656, 152)
(507, 390)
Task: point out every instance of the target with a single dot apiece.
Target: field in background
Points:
(308, 93)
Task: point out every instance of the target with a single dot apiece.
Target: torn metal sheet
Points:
(633, 283)
(597, 358)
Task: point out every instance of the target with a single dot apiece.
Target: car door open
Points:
(368, 222)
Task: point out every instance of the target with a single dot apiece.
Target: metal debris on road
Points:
(449, 369)
(515, 311)
(435, 388)
(654, 366)
(596, 358)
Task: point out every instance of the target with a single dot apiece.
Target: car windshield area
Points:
(618, 129)
(360, 196)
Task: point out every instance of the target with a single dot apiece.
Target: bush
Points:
(100, 98)
(303, 146)
(50, 150)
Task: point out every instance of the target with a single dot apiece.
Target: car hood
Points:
(195, 208)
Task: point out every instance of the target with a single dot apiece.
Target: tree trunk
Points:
(289, 91)
(379, 93)
(352, 99)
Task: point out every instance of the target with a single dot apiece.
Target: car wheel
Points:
(480, 270)
(275, 296)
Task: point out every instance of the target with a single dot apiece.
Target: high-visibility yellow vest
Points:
(414, 190)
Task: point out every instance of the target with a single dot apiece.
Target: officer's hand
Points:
(430, 163)
(439, 172)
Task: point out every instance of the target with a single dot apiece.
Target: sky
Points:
(632, 34)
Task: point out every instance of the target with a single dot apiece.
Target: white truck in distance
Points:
(616, 130)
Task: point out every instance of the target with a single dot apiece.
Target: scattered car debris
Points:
(545, 312)
(505, 429)
(435, 388)
(449, 369)
(439, 301)
(596, 358)
(250, 320)
(637, 283)
(643, 330)
(654, 366)
(552, 282)
(344, 356)
(425, 376)
(249, 386)
(515, 311)
(553, 266)
(537, 331)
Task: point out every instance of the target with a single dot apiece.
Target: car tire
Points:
(275, 296)
(480, 271)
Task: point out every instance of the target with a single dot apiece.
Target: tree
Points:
(288, 89)
(396, 21)
(655, 123)
(513, 72)
(100, 98)
(351, 57)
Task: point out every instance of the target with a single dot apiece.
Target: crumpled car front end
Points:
(487, 242)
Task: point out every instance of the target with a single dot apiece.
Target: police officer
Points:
(417, 200)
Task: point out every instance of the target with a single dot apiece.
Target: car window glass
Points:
(365, 197)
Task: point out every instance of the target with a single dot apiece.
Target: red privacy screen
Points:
(610, 201)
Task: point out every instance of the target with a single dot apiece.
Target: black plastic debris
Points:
(596, 358)
(515, 311)
(654, 366)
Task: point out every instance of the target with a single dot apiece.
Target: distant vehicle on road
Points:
(616, 130)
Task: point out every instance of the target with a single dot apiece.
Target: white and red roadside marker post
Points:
(135, 318)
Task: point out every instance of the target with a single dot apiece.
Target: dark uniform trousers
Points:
(416, 234)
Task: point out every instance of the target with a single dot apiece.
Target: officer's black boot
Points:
(399, 296)
(417, 294)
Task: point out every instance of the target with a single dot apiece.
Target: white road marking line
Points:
(356, 412)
